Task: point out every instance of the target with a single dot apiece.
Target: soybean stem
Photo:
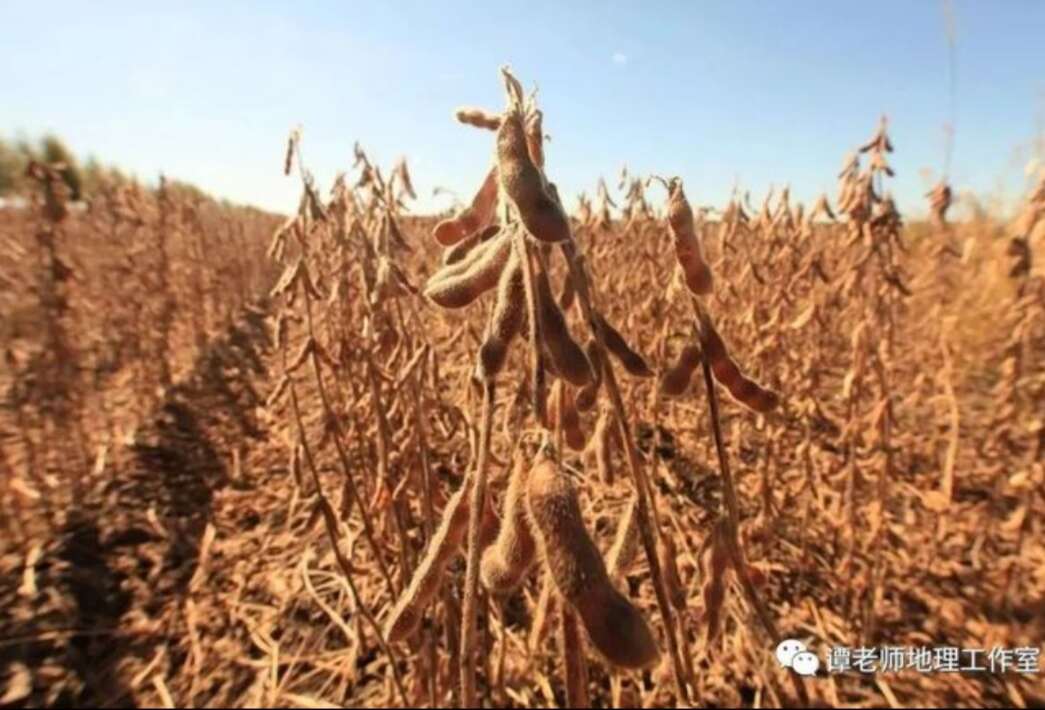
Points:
(471, 580)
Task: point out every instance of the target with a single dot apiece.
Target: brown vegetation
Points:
(249, 461)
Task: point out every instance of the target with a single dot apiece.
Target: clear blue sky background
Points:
(767, 92)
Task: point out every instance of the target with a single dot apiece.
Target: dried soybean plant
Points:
(893, 496)
(504, 241)
(1022, 381)
(724, 550)
(357, 234)
(53, 374)
(876, 281)
(1022, 387)
(117, 320)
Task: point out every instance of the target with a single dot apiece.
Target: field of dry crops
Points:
(518, 455)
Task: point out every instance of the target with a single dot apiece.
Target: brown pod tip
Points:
(743, 389)
(617, 630)
(687, 244)
(676, 379)
(634, 363)
(589, 393)
(449, 232)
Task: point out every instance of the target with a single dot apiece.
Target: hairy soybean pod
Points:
(506, 562)
(687, 246)
(446, 541)
(406, 615)
(472, 218)
(458, 285)
(676, 378)
(478, 118)
(460, 251)
(743, 389)
(506, 321)
(634, 363)
(523, 183)
(464, 259)
(565, 354)
(613, 625)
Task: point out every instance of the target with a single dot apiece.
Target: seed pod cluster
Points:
(612, 624)
(743, 389)
(472, 218)
(687, 246)
(524, 185)
(857, 196)
(459, 284)
(675, 380)
(508, 559)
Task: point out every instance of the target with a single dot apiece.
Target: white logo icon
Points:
(793, 654)
(805, 663)
(786, 651)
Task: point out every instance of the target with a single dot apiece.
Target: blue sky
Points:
(767, 93)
